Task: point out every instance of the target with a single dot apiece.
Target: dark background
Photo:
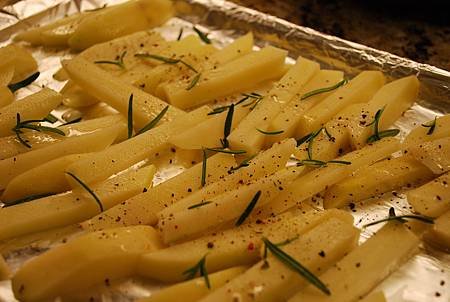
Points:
(416, 30)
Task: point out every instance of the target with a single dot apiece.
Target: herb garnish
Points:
(194, 81)
(276, 132)
(166, 60)
(244, 163)
(180, 34)
(227, 126)
(130, 116)
(154, 121)
(16, 86)
(255, 97)
(295, 265)
(248, 209)
(222, 150)
(198, 205)
(331, 138)
(97, 200)
(203, 36)
(380, 134)
(322, 90)
(118, 62)
(29, 125)
(51, 118)
(431, 125)
(203, 179)
(310, 141)
(401, 218)
(27, 199)
(319, 163)
(200, 267)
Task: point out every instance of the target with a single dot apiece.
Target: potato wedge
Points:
(5, 273)
(433, 198)
(359, 90)
(93, 142)
(381, 177)
(73, 207)
(433, 154)
(6, 96)
(69, 268)
(105, 87)
(375, 297)
(246, 136)
(46, 178)
(121, 156)
(424, 134)
(143, 208)
(273, 280)
(120, 20)
(236, 246)
(21, 59)
(366, 266)
(254, 67)
(195, 289)
(35, 106)
(439, 235)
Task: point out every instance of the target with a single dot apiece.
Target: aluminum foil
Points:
(418, 280)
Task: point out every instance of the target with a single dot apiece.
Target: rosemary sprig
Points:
(401, 218)
(130, 116)
(205, 158)
(276, 132)
(89, 190)
(248, 209)
(377, 133)
(319, 163)
(29, 125)
(180, 34)
(198, 205)
(200, 268)
(165, 60)
(194, 81)
(27, 199)
(227, 126)
(295, 265)
(51, 118)
(222, 150)
(154, 121)
(244, 163)
(118, 62)
(24, 83)
(255, 97)
(203, 36)
(430, 125)
(322, 90)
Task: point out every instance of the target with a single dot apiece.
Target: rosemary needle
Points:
(401, 218)
(322, 90)
(200, 268)
(203, 36)
(194, 81)
(118, 62)
(153, 122)
(198, 205)
(430, 125)
(248, 209)
(205, 158)
(16, 86)
(27, 199)
(227, 126)
(276, 132)
(130, 116)
(89, 190)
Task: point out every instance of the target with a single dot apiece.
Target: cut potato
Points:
(33, 107)
(232, 247)
(142, 208)
(359, 90)
(66, 209)
(43, 179)
(121, 156)
(322, 178)
(21, 59)
(263, 165)
(375, 297)
(75, 97)
(93, 142)
(433, 198)
(120, 20)
(226, 208)
(433, 154)
(255, 67)
(439, 235)
(273, 280)
(246, 136)
(381, 177)
(105, 87)
(6, 96)
(289, 116)
(423, 134)
(5, 273)
(209, 133)
(195, 289)
(69, 268)
(366, 266)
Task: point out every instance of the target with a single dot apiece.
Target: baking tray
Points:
(419, 279)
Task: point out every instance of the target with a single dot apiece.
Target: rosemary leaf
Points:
(205, 158)
(227, 126)
(198, 205)
(311, 162)
(342, 162)
(322, 90)
(180, 34)
(194, 81)
(249, 209)
(330, 137)
(200, 268)
(276, 132)
(383, 134)
(166, 60)
(203, 36)
(130, 116)
(431, 125)
(118, 62)
(221, 150)
(401, 218)
(154, 122)
(27, 199)
(244, 163)
(51, 118)
(24, 83)
(295, 265)
(72, 121)
(97, 200)
(310, 142)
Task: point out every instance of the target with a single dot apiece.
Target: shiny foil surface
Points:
(417, 280)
